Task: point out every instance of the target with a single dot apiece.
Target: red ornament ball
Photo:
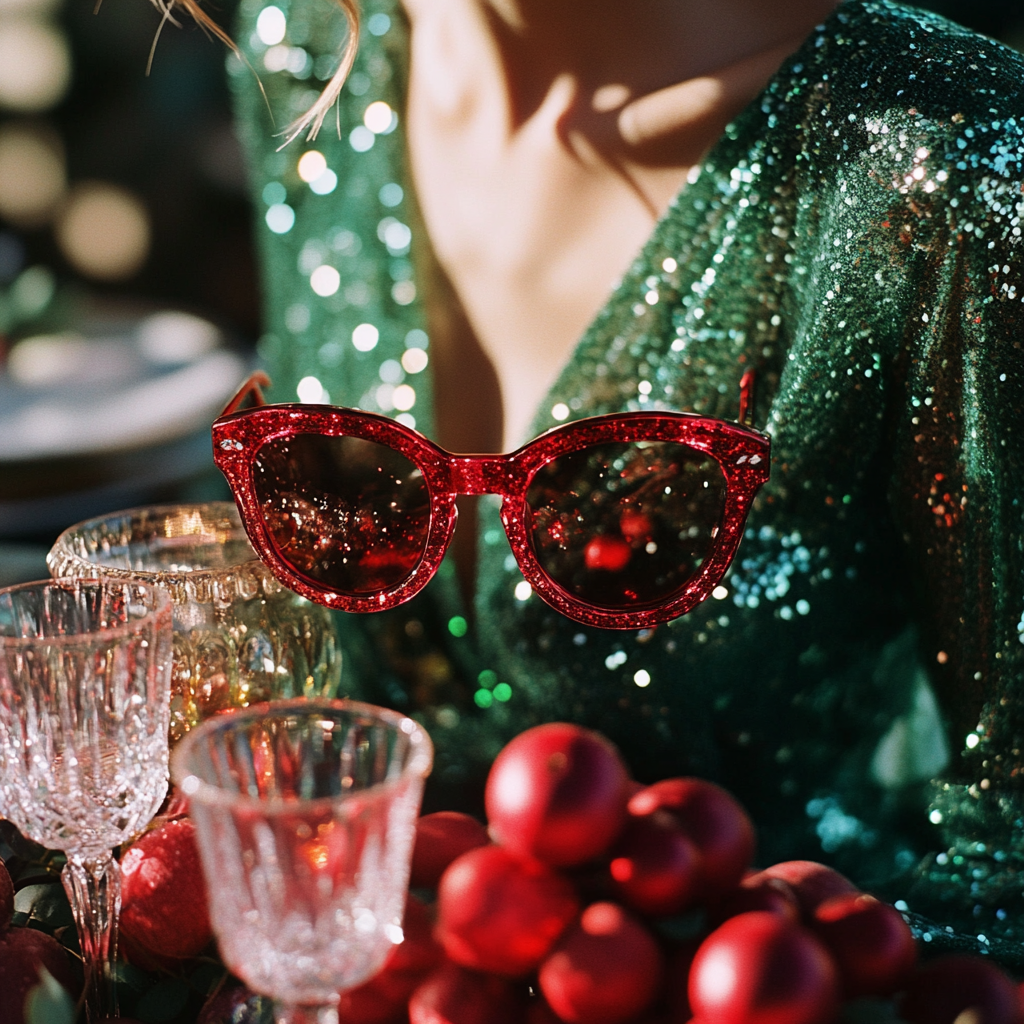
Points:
(6, 896)
(812, 883)
(655, 868)
(164, 910)
(440, 838)
(234, 1004)
(499, 913)
(22, 952)
(453, 995)
(605, 970)
(538, 1012)
(758, 968)
(557, 792)
(961, 988)
(612, 554)
(677, 975)
(384, 998)
(872, 944)
(713, 819)
(758, 892)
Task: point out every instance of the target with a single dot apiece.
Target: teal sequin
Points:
(855, 237)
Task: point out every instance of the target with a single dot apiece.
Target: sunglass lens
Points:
(623, 525)
(347, 513)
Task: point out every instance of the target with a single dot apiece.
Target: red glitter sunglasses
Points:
(621, 521)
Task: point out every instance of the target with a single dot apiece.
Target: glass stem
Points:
(94, 890)
(293, 1013)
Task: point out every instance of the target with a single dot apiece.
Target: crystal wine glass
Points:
(85, 668)
(305, 813)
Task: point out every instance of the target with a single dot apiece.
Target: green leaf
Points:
(45, 903)
(130, 977)
(164, 1001)
(131, 985)
(48, 1002)
(206, 977)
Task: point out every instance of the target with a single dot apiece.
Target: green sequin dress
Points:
(855, 236)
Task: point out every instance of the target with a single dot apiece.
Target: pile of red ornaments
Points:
(557, 913)
(23, 952)
(589, 899)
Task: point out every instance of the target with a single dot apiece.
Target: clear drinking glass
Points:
(85, 669)
(305, 813)
(239, 636)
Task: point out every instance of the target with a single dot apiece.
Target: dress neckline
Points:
(543, 417)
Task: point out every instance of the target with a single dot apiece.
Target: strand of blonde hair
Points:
(313, 118)
(196, 13)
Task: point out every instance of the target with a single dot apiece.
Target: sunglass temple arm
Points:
(252, 387)
(746, 416)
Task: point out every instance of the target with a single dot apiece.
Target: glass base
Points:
(291, 1013)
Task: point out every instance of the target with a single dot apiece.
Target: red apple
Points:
(164, 913)
(440, 838)
(558, 793)
(501, 914)
(22, 952)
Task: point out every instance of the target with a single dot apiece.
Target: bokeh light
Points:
(35, 64)
(380, 118)
(33, 175)
(365, 338)
(325, 280)
(280, 218)
(414, 360)
(104, 231)
(311, 165)
(271, 25)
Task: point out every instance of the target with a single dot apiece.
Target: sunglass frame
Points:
(742, 453)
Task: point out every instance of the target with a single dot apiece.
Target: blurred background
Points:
(123, 210)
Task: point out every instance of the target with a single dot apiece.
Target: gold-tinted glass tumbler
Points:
(305, 813)
(239, 637)
(85, 670)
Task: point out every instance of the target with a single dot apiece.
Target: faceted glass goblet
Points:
(239, 637)
(85, 669)
(305, 813)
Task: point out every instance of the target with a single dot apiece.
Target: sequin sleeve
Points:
(941, 265)
(958, 458)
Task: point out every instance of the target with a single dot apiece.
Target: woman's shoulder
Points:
(891, 115)
(883, 64)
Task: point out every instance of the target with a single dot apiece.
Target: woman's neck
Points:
(616, 51)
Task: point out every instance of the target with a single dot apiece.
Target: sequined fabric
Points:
(856, 238)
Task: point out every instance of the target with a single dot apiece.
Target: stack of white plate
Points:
(114, 415)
